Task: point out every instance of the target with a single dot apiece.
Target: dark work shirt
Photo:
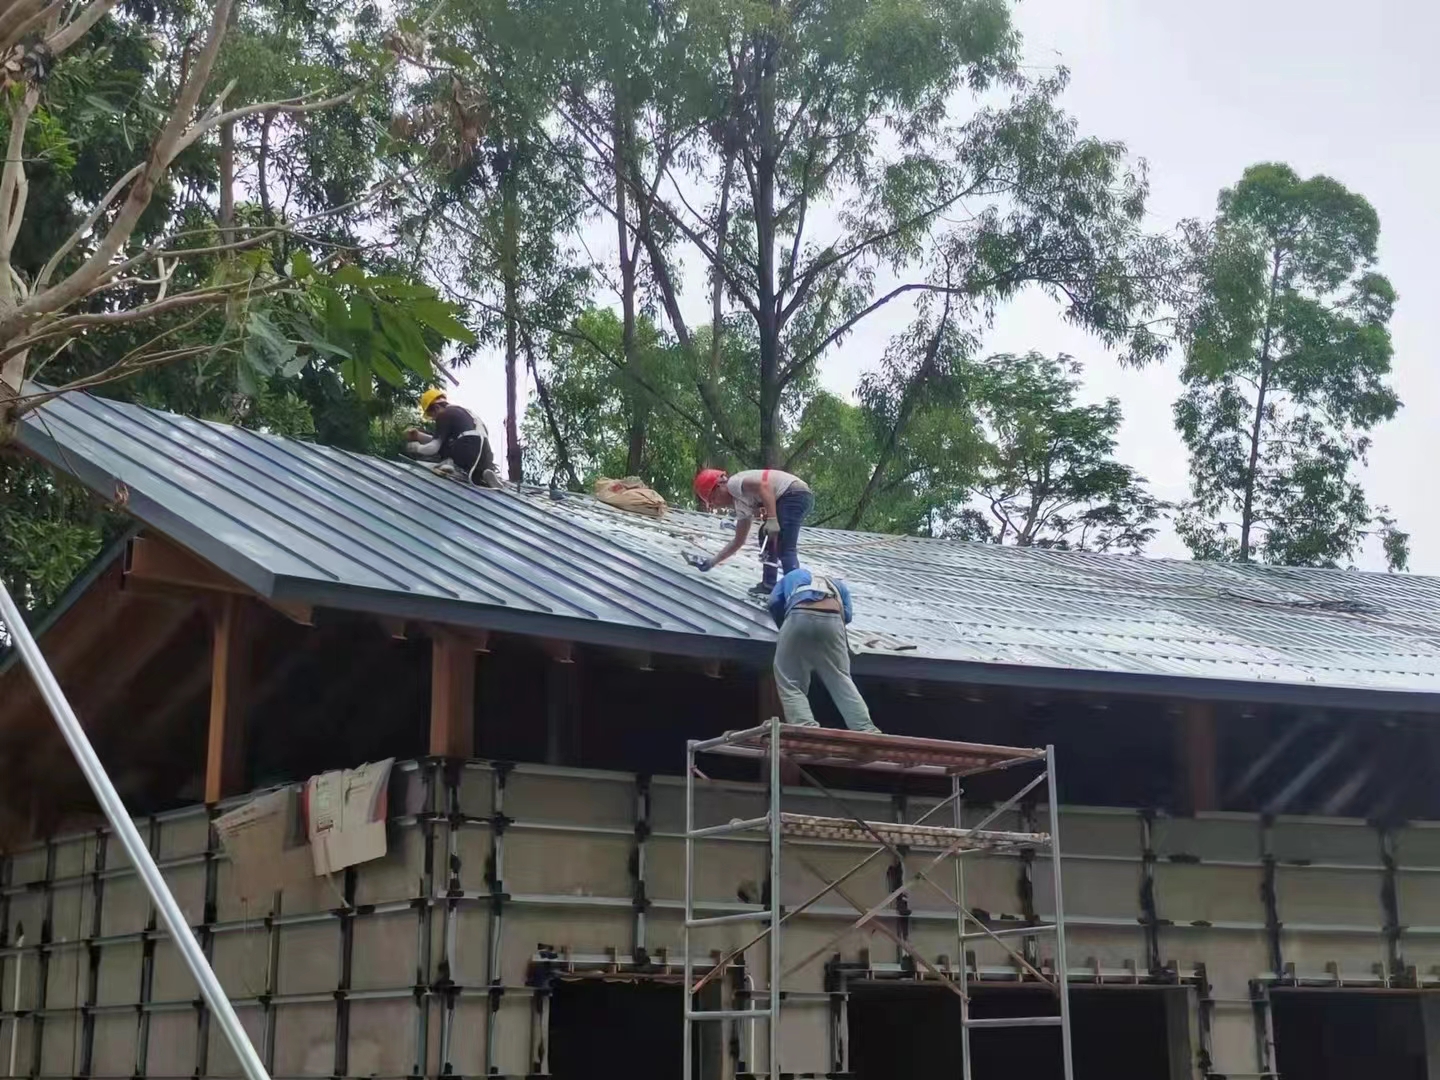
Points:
(452, 422)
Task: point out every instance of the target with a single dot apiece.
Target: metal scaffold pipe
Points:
(169, 911)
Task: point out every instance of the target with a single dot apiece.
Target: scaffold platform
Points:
(806, 748)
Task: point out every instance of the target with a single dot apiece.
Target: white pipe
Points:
(15, 1020)
(129, 836)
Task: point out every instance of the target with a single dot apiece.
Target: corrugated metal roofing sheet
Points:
(304, 522)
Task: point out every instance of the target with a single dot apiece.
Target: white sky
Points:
(1201, 91)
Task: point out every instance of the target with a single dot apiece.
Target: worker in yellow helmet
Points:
(458, 437)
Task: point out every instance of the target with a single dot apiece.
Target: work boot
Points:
(490, 479)
(761, 591)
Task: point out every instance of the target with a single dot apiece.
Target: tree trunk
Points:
(923, 374)
(12, 379)
(510, 273)
(768, 321)
(227, 183)
(635, 450)
(1247, 513)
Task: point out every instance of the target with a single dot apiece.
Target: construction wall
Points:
(502, 880)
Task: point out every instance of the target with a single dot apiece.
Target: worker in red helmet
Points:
(780, 501)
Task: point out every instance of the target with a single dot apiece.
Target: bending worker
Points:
(458, 437)
(780, 499)
(812, 612)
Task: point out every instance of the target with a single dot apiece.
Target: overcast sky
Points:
(1200, 91)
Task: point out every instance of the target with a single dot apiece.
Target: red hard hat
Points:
(705, 481)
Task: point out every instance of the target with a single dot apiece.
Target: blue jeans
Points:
(791, 509)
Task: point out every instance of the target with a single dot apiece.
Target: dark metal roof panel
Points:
(304, 522)
(984, 604)
(282, 514)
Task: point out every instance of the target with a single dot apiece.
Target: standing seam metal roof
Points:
(298, 521)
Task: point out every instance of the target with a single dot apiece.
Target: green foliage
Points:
(596, 406)
(1047, 476)
(51, 533)
(1287, 368)
(319, 332)
(598, 402)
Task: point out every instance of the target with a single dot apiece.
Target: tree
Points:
(1047, 476)
(205, 287)
(589, 404)
(1287, 362)
(493, 198)
(783, 187)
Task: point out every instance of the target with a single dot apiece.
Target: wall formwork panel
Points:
(436, 960)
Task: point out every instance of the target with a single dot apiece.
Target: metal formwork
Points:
(805, 748)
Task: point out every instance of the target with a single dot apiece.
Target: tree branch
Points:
(19, 19)
(114, 373)
(167, 144)
(77, 28)
(548, 408)
(14, 186)
(74, 323)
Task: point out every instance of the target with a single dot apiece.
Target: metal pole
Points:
(689, 1000)
(1062, 969)
(15, 1022)
(129, 836)
(774, 898)
(959, 812)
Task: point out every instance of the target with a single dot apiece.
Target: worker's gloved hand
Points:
(771, 527)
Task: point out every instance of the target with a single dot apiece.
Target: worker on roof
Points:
(779, 500)
(812, 611)
(458, 438)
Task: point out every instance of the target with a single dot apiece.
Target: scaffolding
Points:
(802, 749)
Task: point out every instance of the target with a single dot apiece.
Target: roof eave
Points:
(760, 652)
(147, 511)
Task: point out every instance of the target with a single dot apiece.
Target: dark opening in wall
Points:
(631, 1029)
(912, 1032)
(1332, 1035)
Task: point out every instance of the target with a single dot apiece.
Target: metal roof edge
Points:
(470, 615)
(1192, 688)
(759, 653)
(147, 512)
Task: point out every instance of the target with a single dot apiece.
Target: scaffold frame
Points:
(802, 749)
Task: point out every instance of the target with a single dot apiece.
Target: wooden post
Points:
(1195, 757)
(562, 712)
(452, 696)
(230, 673)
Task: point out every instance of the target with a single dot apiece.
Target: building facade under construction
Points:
(1131, 818)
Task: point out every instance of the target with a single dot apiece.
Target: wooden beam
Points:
(154, 563)
(163, 563)
(230, 672)
(452, 696)
(1195, 757)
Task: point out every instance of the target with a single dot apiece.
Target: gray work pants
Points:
(814, 641)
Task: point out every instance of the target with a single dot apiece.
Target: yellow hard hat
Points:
(428, 398)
